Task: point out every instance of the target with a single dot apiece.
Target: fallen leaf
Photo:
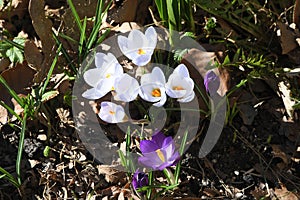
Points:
(18, 78)
(3, 115)
(32, 54)
(43, 28)
(123, 13)
(284, 194)
(296, 13)
(287, 38)
(286, 98)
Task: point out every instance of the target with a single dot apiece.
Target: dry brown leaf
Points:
(43, 28)
(287, 38)
(4, 63)
(112, 175)
(296, 13)
(17, 8)
(279, 153)
(32, 54)
(123, 13)
(18, 78)
(286, 98)
(3, 115)
(284, 194)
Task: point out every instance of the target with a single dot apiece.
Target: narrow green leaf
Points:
(9, 177)
(43, 89)
(82, 37)
(21, 145)
(11, 92)
(75, 14)
(9, 109)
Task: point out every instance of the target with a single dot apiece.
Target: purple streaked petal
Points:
(148, 146)
(158, 138)
(150, 160)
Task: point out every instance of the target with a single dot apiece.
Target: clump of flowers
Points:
(159, 152)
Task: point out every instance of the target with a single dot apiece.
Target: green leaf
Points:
(46, 151)
(49, 95)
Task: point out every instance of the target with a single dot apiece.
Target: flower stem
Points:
(169, 175)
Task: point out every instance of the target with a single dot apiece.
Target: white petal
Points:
(93, 93)
(136, 40)
(93, 76)
(158, 76)
(187, 98)
(182, 70)
(151, 36)
(162, 100)
(123, 45)
(127, 88)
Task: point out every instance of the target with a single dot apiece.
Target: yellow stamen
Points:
(156, 92)
(160, 155)
(141, 52)
(108, 76)
(112, 112)
(178, 88)
(112, 88)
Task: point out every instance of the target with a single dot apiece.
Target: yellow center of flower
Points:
(156, 92)
(178, 88)
(160, 155)
(141, 52)
(112, 88)
(108, 76)
(112, 112)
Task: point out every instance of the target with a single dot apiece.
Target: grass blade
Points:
(12, 92)
(9, 177)
(75, 14)
(21, 146)
(50, 71)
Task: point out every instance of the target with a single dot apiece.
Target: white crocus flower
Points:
(111, 112)
(126, 88)
(102, 78)
(138, 47)
(153, 87)
(180, 85)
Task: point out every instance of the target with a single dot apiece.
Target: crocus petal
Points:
(147, 146)
(151, 35)
(162, 101)
(140, 60)
(182, 70)
(127, 88)
(139, 179)
(102, 59)
(151, 160)
(111, 112)
(158, 138)
(211, 82)
(93, 93)
(187, 98)
(92, 76)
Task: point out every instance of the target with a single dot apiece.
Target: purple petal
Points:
(150, 160)
(159, 138)
(211, 82)
(148, 146)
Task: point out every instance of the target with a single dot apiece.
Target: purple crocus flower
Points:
(159, 152)
(211, 82)
(139, 179)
